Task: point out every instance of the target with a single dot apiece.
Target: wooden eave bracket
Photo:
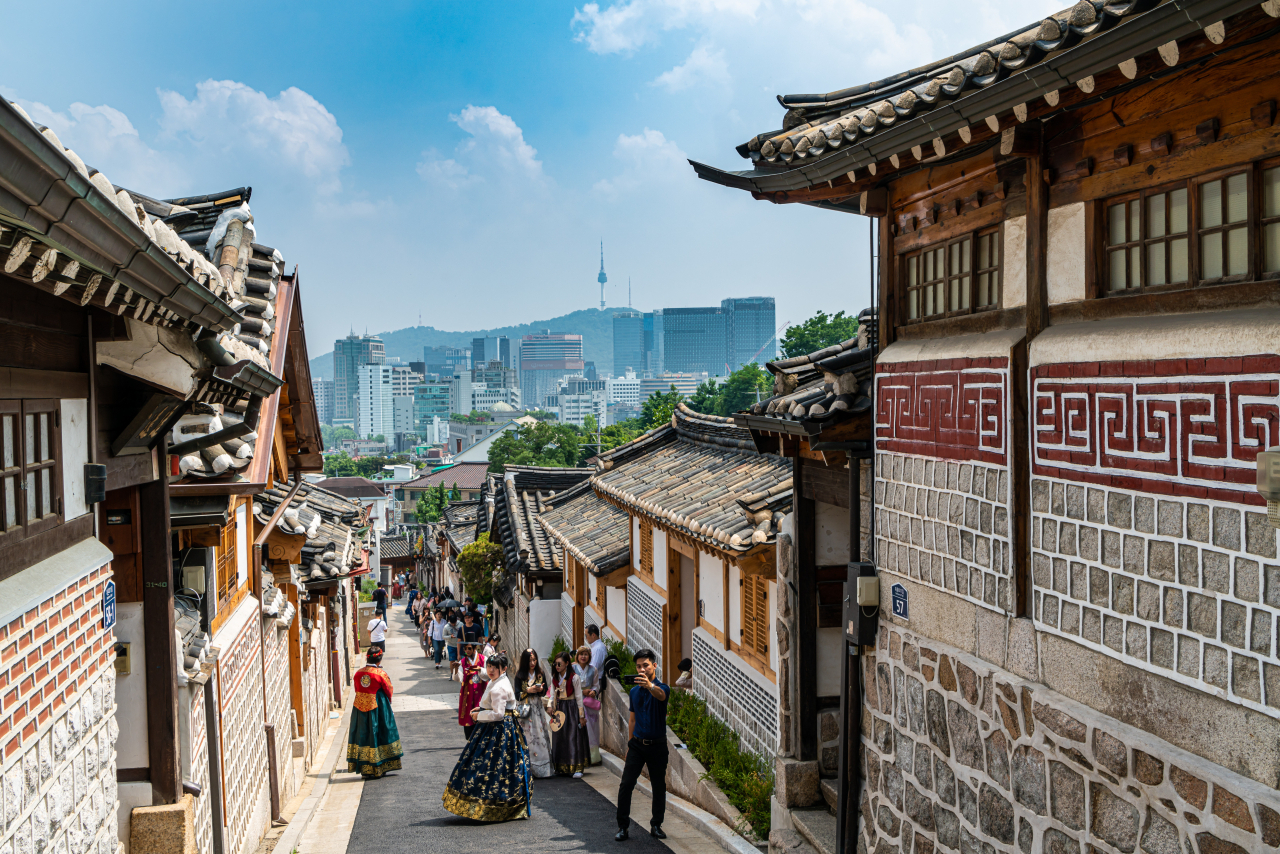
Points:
(759, 562)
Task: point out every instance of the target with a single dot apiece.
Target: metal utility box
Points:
(861, 621)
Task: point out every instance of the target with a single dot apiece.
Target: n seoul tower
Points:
(602, 278)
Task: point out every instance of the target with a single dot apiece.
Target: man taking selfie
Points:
(647, 745)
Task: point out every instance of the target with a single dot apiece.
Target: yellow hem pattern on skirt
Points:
(368, 770)
(474, 808)
(570, 769)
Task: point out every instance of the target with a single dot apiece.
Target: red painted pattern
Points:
(1188, 427)
(952, 409)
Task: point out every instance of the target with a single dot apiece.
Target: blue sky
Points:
(463, 160)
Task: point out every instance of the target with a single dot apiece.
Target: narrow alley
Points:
(403, 813)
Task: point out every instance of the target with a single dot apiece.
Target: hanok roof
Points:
(693, 475)
(520, 496)
(970, 98)
(392, 548)
(465, 475)
(820, 386)
(594, 531)
(328, 520)
(460, 512)
(354, 487)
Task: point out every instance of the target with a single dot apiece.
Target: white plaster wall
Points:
(131, 693)
(660, 559)
(830, 660)
(1247, 332)
(592, 587)
(983, 344)
(711, 587)
(591, 616)
(616, 602)
(831, 529)
(773, 635)
(635, 542)
(1013, 263)
(735, 604)
(130, 795)
(75, 454)
(544, 625)
(1065, 262)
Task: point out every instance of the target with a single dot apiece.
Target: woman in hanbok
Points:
(373, 745)
(570, 749)
(590, 680)
(491, 781)
(531, 687)
(473, 679)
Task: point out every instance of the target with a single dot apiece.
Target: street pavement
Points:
(403, 812)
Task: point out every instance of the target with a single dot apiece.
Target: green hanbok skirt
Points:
(373, 747)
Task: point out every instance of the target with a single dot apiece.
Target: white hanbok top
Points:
(497, 699)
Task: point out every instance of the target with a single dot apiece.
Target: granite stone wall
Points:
(963, 756)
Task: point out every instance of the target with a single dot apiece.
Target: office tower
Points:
(545, 358)
(349, 355)
(579, 397)
(589, 370)
(322, 391)
(653, 349)
(628, 341)
(749, 330)
(624, 390)
(485, 350)
(403, 381)
(402, 414)
(374, 413)
(694, 340)
(445, 361)
(430, 401)
(686, 384)
(495, 375)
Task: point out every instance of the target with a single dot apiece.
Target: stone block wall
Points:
(316, 688)
(279, 701)
(961, 755)
(196, 760)
(58, 726)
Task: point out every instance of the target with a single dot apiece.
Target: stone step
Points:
(818, 827)
(831, 794)
(789, 842)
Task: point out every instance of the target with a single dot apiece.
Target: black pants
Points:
(466, 730)
(382, 645)
(639, 755)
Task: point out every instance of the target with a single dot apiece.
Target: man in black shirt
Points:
(471, 632)
(380, 599)
(647, 745)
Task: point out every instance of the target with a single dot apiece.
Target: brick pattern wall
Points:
(58, 726)
(961, 755)
(244, 760)
(946, 523)
(566, 619)
(734, 696)
(644, 619)
(1190, 588)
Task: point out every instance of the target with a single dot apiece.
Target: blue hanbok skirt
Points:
(491, 781)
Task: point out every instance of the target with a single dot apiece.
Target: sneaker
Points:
(577, 775)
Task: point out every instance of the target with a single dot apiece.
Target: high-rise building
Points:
(445, 361)
(628, 341)
(495, 374)
(653, 344)
(686, 384)
(402, 414)
(349, 355)
(694, 340)
(430, 406)
(403, 380)
(497, 349)
(624, 390)
(545, 359)
(749, 330)
(322, 392)
(375, 415)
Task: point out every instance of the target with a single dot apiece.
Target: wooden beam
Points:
(1020, 523)
(1037, 243)
(161, 654)
(887, 330)
(760, 563)
(806, 619)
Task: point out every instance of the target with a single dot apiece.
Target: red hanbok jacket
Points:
(369, 680)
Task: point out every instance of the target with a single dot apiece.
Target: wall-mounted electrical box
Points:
(861, 604)
(123, 662)
(869, 591)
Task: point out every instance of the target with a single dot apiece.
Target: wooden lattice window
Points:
(646, 548)
(602, 600)
(755, 615)
(947, 279)
(30, 472)
(226, 560)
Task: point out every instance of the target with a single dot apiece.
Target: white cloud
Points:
(444, 173)
(648, 159)
(625, 26)
(703, 65)
(494, 143)
(293, 130)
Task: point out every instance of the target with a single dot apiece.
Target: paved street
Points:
(402, 812)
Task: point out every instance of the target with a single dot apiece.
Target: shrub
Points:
(558, 646)
(626, 662)
(745, 778)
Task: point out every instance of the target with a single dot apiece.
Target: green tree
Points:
(379, 438)
(474, 417)
(339, 465)
(331, 437)
(455, 494)
(657, 409)
(744, 387)
(477, 564)
(706, 399)
(821, 330)
(541, 444)
(431, 504)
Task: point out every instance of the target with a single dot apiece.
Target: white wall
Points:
(831, 534)
(735, 604)
(544, 625)
(711, 587)
(131, 692)
(1066, 254)
(659, 559)
(1013, 263)
(75, 454)
(635, 542)
(616, 602)
(830, 661)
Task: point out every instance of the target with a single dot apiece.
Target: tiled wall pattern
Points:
(733, 696)
(244, 759)
(963, 756)
(279, 703)
(946, 523)
(58, 726)
(1189, 588)
(644, 619)
(566, 619)
(316, 687)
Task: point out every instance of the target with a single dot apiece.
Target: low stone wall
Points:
(959, 754)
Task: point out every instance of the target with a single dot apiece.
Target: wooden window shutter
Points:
(755, 615)
(602, 598)
(646, 548)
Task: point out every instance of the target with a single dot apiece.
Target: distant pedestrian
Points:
(531, 687)
(647, 746)
(378, 633)
(380, 599)
(413, 597)
(591, 683)
(435, 635)
(491, 781)
(373, 742)
(599, 652)
(570, 748)
(450, 634)
(473, 679)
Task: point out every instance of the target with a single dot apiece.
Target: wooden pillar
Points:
(1037, 237)
(161, 654)
(806, 619)
(888, 285)
(1037, 322)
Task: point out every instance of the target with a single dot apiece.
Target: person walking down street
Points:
(409, 609)
(378, 632)
(589, 677)
(435, 637)
(473, 679)
(373, 743)
(380, 599)
(531, 688)
(450, 633)
(647, 746)
(570, 749)
(491, 781)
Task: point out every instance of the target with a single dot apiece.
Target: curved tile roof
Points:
(594, 531)
(328, 520)
(822, 384)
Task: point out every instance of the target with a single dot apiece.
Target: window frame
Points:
(755, 622)
(25, 528)
(1254, 226)
(943, 282)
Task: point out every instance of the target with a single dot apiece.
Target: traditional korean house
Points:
(1077, 366)
(456, 531)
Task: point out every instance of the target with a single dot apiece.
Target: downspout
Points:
(269, 728)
